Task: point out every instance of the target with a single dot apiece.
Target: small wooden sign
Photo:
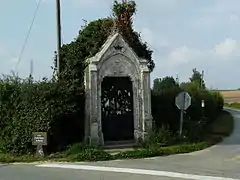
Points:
(39, 138)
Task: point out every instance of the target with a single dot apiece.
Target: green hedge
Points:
(58, 108)
(83, 152)
(165, 111)
(27, 106)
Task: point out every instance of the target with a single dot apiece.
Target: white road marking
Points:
(135, 171)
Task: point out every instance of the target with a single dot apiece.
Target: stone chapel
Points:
(118, 94)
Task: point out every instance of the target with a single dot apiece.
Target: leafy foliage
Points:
(164, 84)
(197, 78)
(164, 151)
(47, 106)
(91, 154)
(89, 41)
(165, 112)
(159, 138)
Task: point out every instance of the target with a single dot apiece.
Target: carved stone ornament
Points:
(118, 47)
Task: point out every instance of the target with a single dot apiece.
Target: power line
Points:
(29, 31)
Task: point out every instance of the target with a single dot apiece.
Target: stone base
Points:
(140, 136)
(101, 140)
(148, 122)
(145, 135)
(137, 135)
(95, 139)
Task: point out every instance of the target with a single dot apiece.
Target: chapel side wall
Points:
(147, 112)
(87, 80)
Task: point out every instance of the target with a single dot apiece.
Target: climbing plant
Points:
(123, 12)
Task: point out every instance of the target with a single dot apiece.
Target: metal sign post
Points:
(181, 116)
(39, 139)
(182, 101)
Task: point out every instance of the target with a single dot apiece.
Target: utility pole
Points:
(58, 16)
(31, 68)
(177, 79)
(202, 79)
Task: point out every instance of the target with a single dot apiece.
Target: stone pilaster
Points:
(147, 116)
(94, 123)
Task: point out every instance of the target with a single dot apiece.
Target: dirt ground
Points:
(231, 96)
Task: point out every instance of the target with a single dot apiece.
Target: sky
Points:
(184, 34)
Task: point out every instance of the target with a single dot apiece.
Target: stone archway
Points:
(117, 60)
(117, 114)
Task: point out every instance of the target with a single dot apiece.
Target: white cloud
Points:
(223, 6)
(218, 14)
(206, 22)
(183, 55)
(227, 48)
(3, 51)
(234, 17)
(215, 61)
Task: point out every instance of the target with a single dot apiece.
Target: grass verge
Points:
(232, 105)
(222, 127)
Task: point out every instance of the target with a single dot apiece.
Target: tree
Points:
(93, 35)
(163, 84)
(197, 78)
(189, 86)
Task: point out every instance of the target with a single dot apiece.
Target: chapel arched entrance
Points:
(117, 114)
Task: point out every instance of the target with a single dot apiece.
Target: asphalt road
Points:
(219, 162)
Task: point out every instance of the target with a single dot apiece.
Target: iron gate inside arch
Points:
(117, 109)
